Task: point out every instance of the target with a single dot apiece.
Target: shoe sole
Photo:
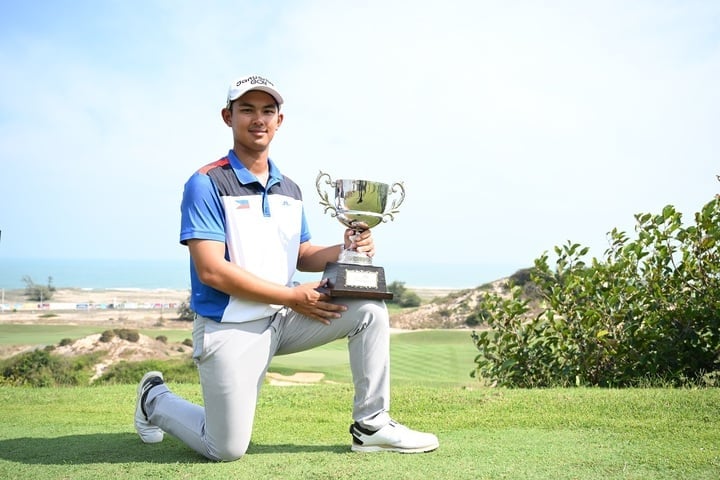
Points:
(377, 448)
(157, 437)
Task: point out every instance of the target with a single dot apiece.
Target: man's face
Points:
(254, 118)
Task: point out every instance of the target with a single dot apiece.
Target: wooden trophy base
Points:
(359, 281)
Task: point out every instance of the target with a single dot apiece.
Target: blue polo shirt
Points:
(262, 228)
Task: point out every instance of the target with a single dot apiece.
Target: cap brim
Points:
(263, 88)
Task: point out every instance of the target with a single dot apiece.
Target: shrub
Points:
(184, 311)
(410, 299)
(122, 333)
(38, 293)
(521, 277)
(40, 368)
(179, 371)
(473, 320)
(402, 296)
(107, 336)
(128, 335)
(647, 310)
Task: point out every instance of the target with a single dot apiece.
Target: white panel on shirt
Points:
(265, 246)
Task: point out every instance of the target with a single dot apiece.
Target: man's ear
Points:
(226, 116)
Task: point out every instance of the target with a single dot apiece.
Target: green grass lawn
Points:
(301, 432)
(429, 358)
(20, 334)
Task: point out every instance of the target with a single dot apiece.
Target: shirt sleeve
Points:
(304, 228)
(202, 215)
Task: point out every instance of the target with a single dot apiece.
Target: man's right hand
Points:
(309, 301)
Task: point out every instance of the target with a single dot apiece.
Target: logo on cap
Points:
(255, 80)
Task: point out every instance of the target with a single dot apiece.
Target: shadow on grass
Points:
(124, 448)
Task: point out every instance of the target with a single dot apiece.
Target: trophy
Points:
(359, 205)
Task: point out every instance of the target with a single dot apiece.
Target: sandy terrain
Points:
(131, 308)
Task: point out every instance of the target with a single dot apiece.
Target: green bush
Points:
(410, 299)
(128, 335)
(402, 296)
(40, 368)
(178, 371)
(107, 336)
(123, 333)
(648, 311)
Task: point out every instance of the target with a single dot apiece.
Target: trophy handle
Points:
(324, 198)
(398, 191)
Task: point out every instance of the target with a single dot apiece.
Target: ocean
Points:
(174, 274)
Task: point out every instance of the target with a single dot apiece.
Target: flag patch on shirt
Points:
(242, 204)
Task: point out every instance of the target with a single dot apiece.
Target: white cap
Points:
(243, 85)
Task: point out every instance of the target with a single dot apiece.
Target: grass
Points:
(301, 432)
(431, 358)
(17, 334)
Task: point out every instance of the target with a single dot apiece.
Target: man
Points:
(244, 225)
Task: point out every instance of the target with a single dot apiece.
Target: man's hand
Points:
(308, 301)
(362, 242)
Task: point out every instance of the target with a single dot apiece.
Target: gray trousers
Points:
(233, 359)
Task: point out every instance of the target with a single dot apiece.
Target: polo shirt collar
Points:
(246, 176)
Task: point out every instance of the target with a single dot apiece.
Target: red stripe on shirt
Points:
(218, 163)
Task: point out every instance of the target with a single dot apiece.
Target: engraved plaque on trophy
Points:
(359, 205)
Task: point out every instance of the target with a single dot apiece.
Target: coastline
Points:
(175, 273)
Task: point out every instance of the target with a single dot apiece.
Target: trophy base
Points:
(359, 281)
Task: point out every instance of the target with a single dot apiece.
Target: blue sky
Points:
(515, 125)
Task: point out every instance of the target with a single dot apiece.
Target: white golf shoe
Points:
(148, 432)
(393, 437)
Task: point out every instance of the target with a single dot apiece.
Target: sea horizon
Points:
(174, 274)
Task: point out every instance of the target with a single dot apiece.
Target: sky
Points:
(515, 126)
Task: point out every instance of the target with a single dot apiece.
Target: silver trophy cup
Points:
(360, 205)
